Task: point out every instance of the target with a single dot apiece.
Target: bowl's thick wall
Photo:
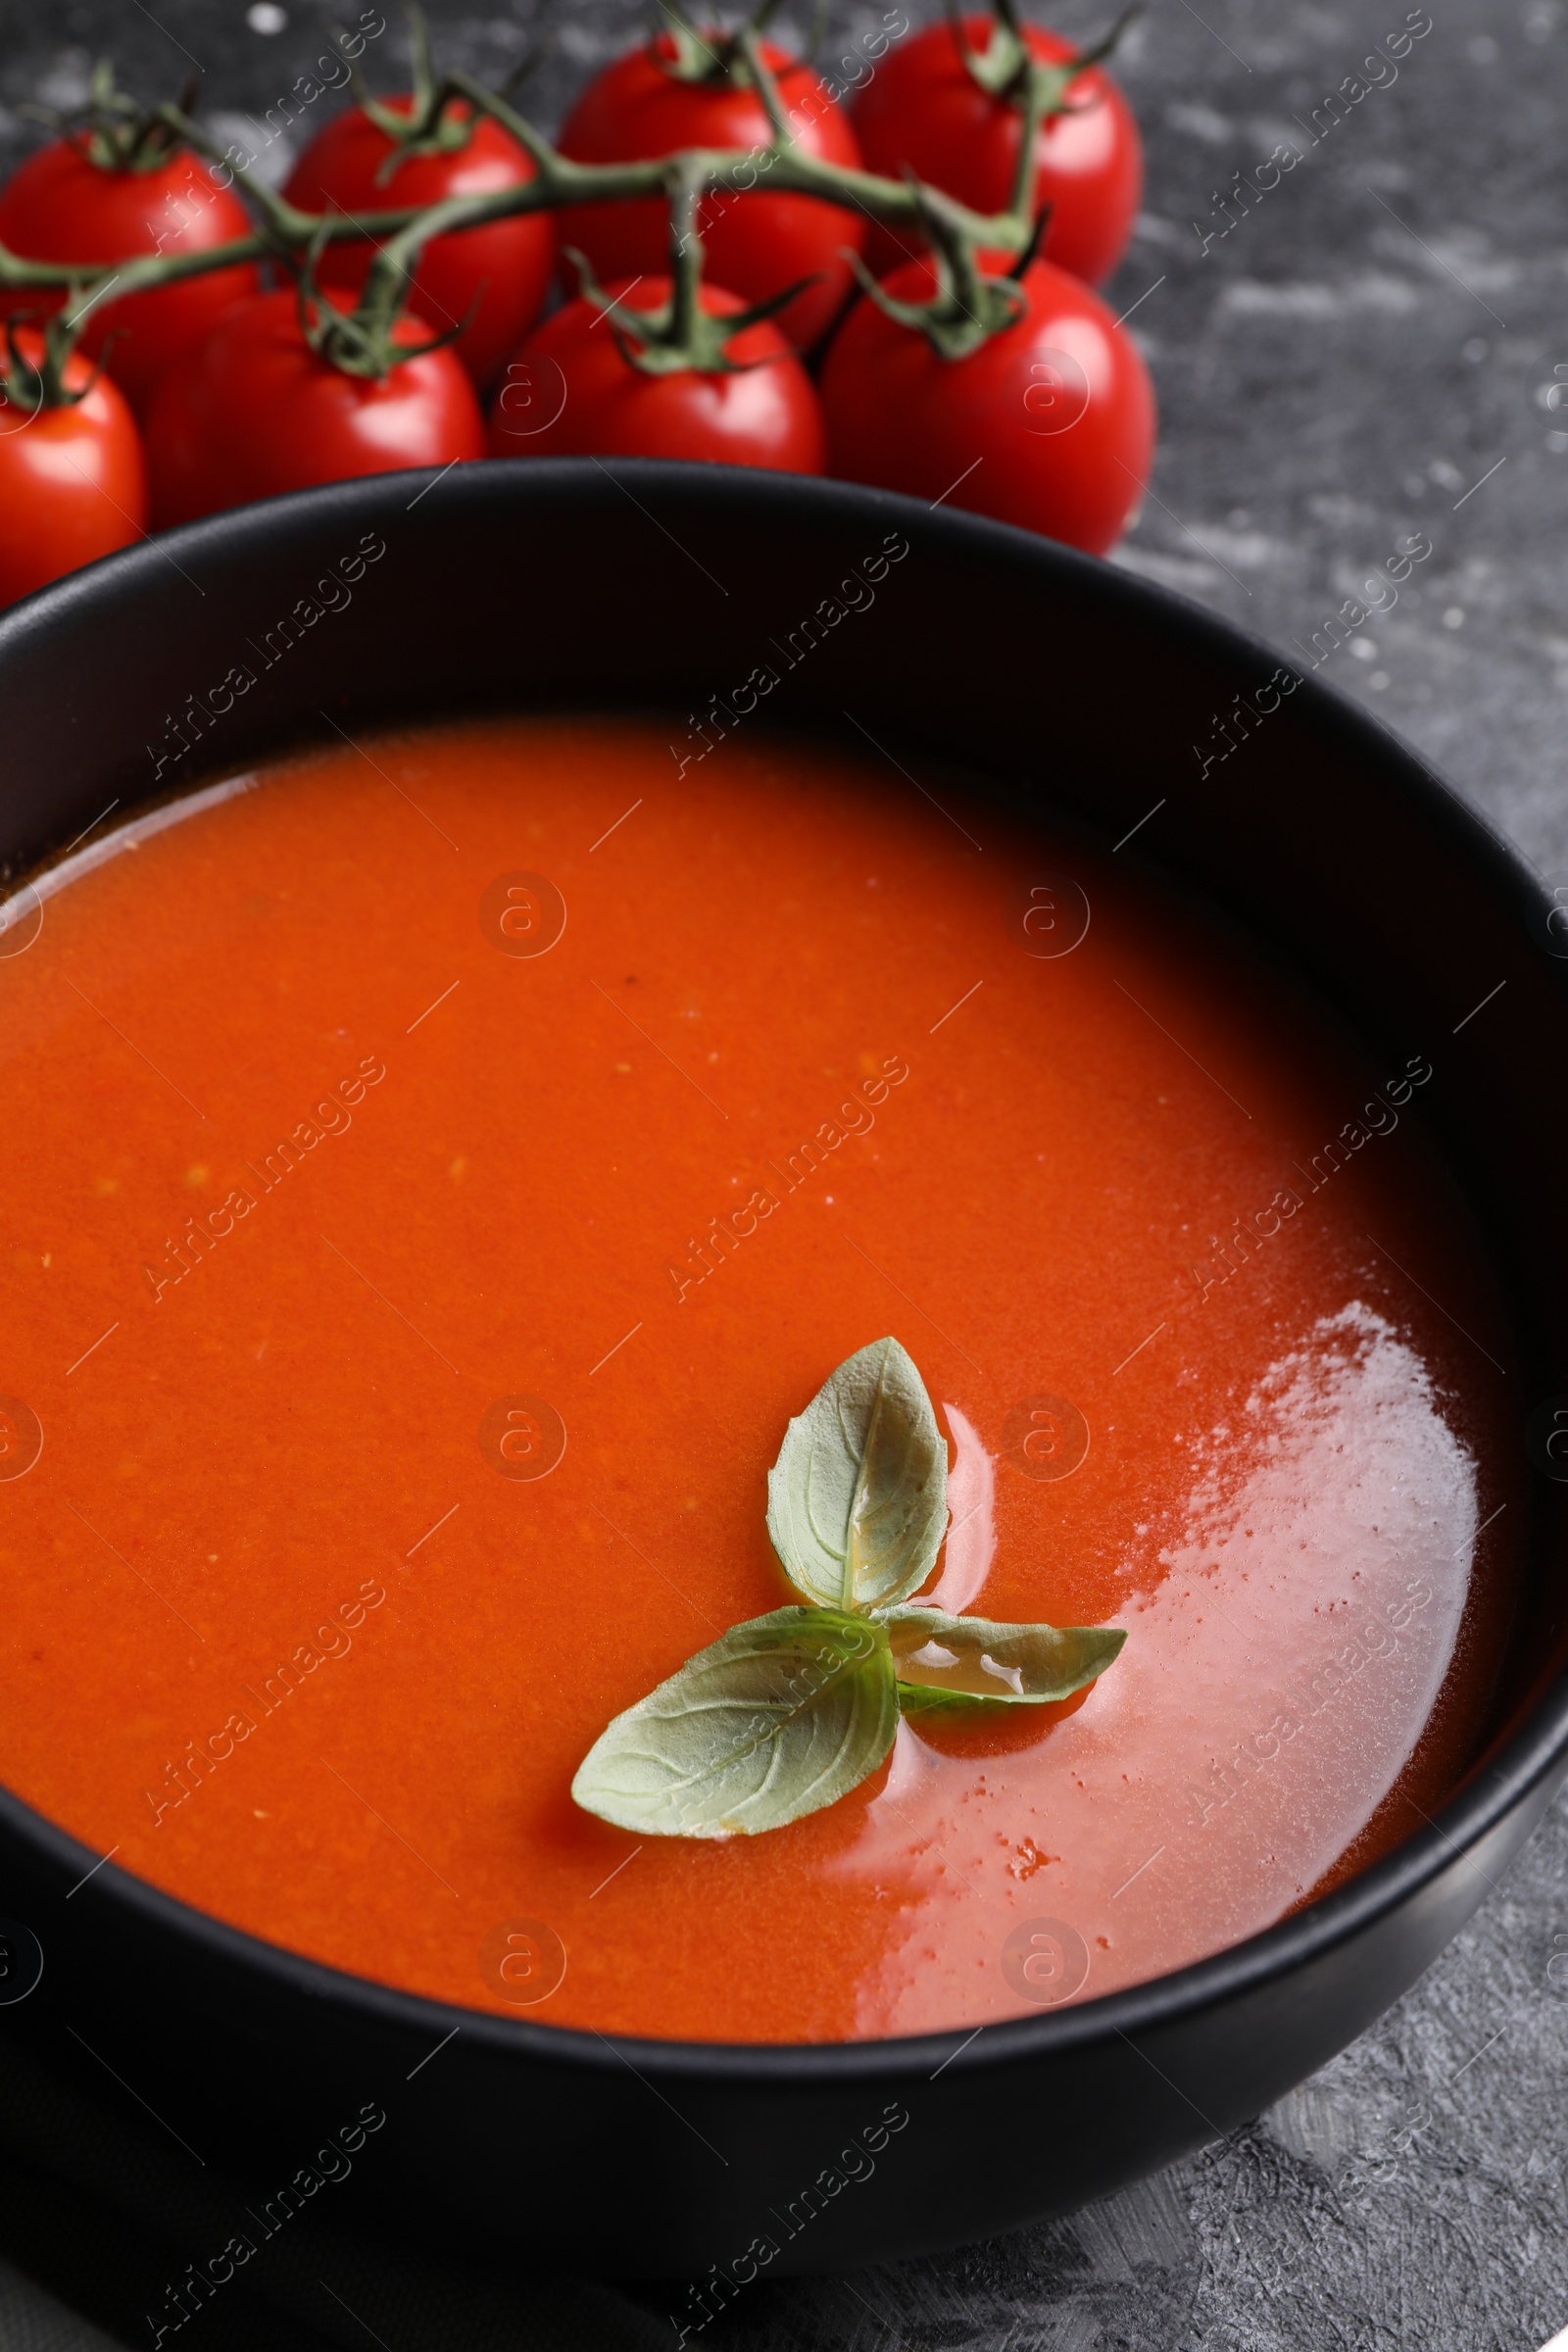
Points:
(1065, 683)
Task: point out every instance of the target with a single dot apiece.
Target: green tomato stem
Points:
(967, 307)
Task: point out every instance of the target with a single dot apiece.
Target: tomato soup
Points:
(439, 1166)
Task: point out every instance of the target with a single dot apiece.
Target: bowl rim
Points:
(1489, 1790)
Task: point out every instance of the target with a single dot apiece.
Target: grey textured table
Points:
(1370, 351)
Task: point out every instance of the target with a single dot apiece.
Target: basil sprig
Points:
(789, 1712)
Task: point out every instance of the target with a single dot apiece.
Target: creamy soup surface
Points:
(436, 1170)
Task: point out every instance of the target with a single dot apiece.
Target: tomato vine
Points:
(966, 307)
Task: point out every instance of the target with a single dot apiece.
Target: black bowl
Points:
(1067, 683)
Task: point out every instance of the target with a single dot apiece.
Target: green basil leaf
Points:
(857, 1499)
(777, 1718)
(944, 1661)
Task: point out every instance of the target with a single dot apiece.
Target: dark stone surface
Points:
(1374, 338)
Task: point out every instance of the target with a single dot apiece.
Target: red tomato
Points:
(255, 412)
(570, 393)
(757, 245)
(924, 110)
(60, 206)
(72, 483)
(1050, 425)
(504, 269)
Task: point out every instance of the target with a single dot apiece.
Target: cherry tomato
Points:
(501, 273)
(570, 393)
(255, 412)
(924, 110)
(755, 244)
(73, 482)
(60, 206)
(1048, 424)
